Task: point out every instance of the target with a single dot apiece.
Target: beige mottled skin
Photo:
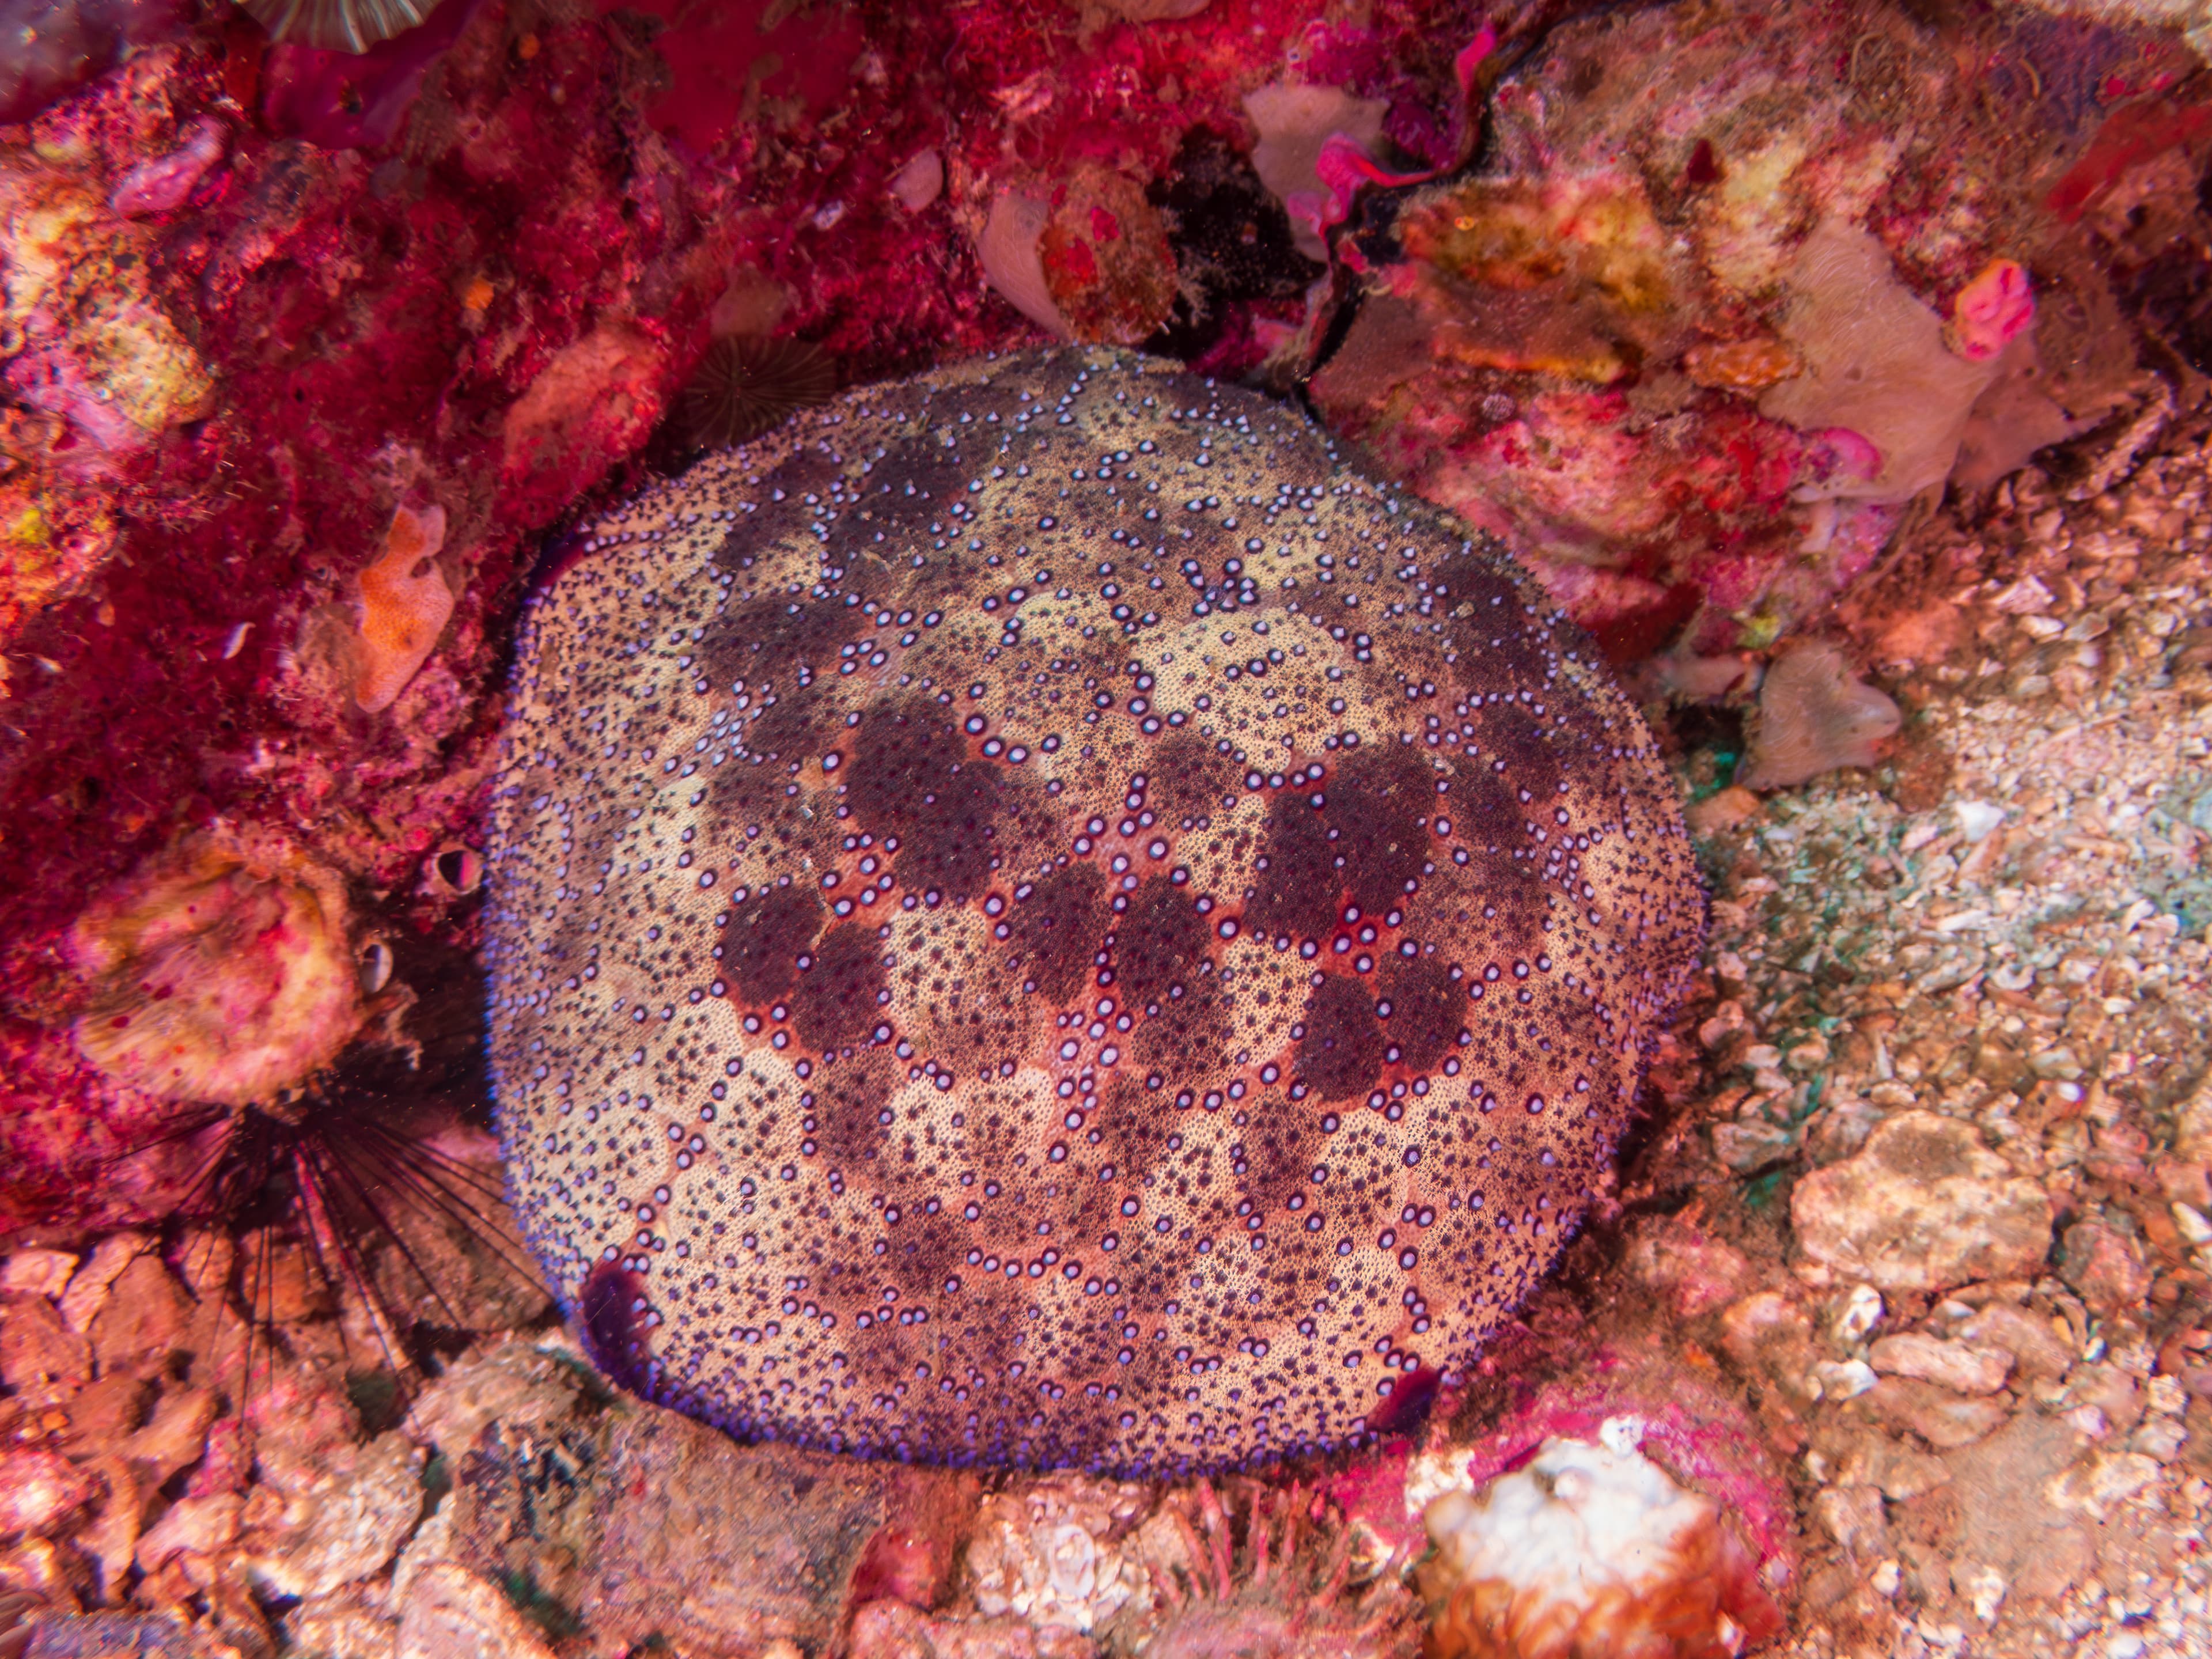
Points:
(925, 1017)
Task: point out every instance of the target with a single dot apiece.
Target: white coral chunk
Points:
(1589, 1550)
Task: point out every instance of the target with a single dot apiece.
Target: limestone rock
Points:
(37, 1272)
(1958, 1367)
(359, 1523)
(1943, 1419)
(453, 1614)
(891, 1630)
(89, 1285)
(520, 1385)
(36, 1347)
(145, 1315)
(195, 1526)
(176, 1439)
(1924, 1207)
(40, 1490)
(2105, 1267)
(2040, 1351)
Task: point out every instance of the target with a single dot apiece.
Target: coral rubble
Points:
(1590, 1551)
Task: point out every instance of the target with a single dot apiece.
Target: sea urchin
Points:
(1039, 918)
(744, 386)
(339, 25)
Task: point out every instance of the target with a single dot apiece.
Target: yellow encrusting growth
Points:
(404, 606)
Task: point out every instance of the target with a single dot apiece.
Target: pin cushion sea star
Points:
(1039, 918)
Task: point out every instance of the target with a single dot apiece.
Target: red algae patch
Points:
(1039, 918)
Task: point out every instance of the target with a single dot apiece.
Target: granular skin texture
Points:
(1037, 919)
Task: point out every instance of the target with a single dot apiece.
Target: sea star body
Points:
(1039, 918)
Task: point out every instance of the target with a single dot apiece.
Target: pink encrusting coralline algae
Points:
(1992, 310)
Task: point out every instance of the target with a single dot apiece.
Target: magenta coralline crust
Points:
(365, 333)
(60, 1119)
(49, 47)
(356, 100)
(472, 269)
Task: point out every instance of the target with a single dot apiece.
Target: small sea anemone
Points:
(746, 386)
(1991, 311)
(338, 25)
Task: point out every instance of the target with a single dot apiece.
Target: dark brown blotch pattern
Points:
(764, 938)
(841, 989)
(1056, 928)
(1361, 845)
(1341, 1053)
(1160, 941)
(913, 778)
(1428, 1009)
